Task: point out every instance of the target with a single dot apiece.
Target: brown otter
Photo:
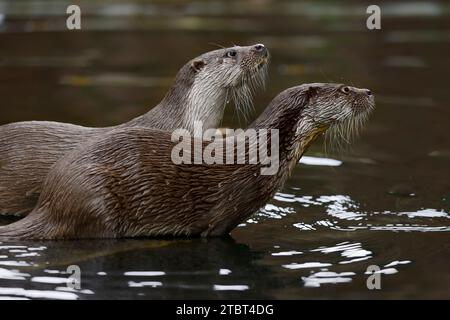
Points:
(201, 90)
(125, 185)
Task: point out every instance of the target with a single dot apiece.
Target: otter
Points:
(125, 185)
(201, 90)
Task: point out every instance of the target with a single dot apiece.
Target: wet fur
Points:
(125, 184)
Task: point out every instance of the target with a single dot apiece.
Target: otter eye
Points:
(345, 89)
(231, 53)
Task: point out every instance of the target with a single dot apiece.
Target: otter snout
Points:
(259, 54)
(360, 91)
(363, 99)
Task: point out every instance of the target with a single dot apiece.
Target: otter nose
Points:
(260, 48)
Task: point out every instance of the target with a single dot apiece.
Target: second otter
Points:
(126, 185)
(201, 90)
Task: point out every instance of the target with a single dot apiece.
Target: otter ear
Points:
(311, 91)
(197, 65)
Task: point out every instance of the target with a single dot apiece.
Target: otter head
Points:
(339, 109)
(216, 77)
(334, 104)
(304, 112)
(231, 68)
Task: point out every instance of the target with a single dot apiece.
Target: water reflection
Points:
(19, 293)
(347, 250)
(318, 161)
(220, 265)
(306, 265)
(218, 287)
(326, 277)
(345, 212)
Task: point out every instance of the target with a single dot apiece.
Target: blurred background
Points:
(384, 201)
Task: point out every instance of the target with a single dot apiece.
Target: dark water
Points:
(385, 201)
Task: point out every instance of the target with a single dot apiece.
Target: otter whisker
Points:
(242, 94)
(325, 75)
(216, 45)
(344, 131)
(225, 102)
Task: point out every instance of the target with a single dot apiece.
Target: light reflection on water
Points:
(318, 161)
(327, 277)
(342, 210)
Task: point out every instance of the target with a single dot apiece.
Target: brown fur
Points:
(29, 149)
(125, 184)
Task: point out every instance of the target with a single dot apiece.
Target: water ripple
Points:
(346, 215)
(38, 294)
(323, 277)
